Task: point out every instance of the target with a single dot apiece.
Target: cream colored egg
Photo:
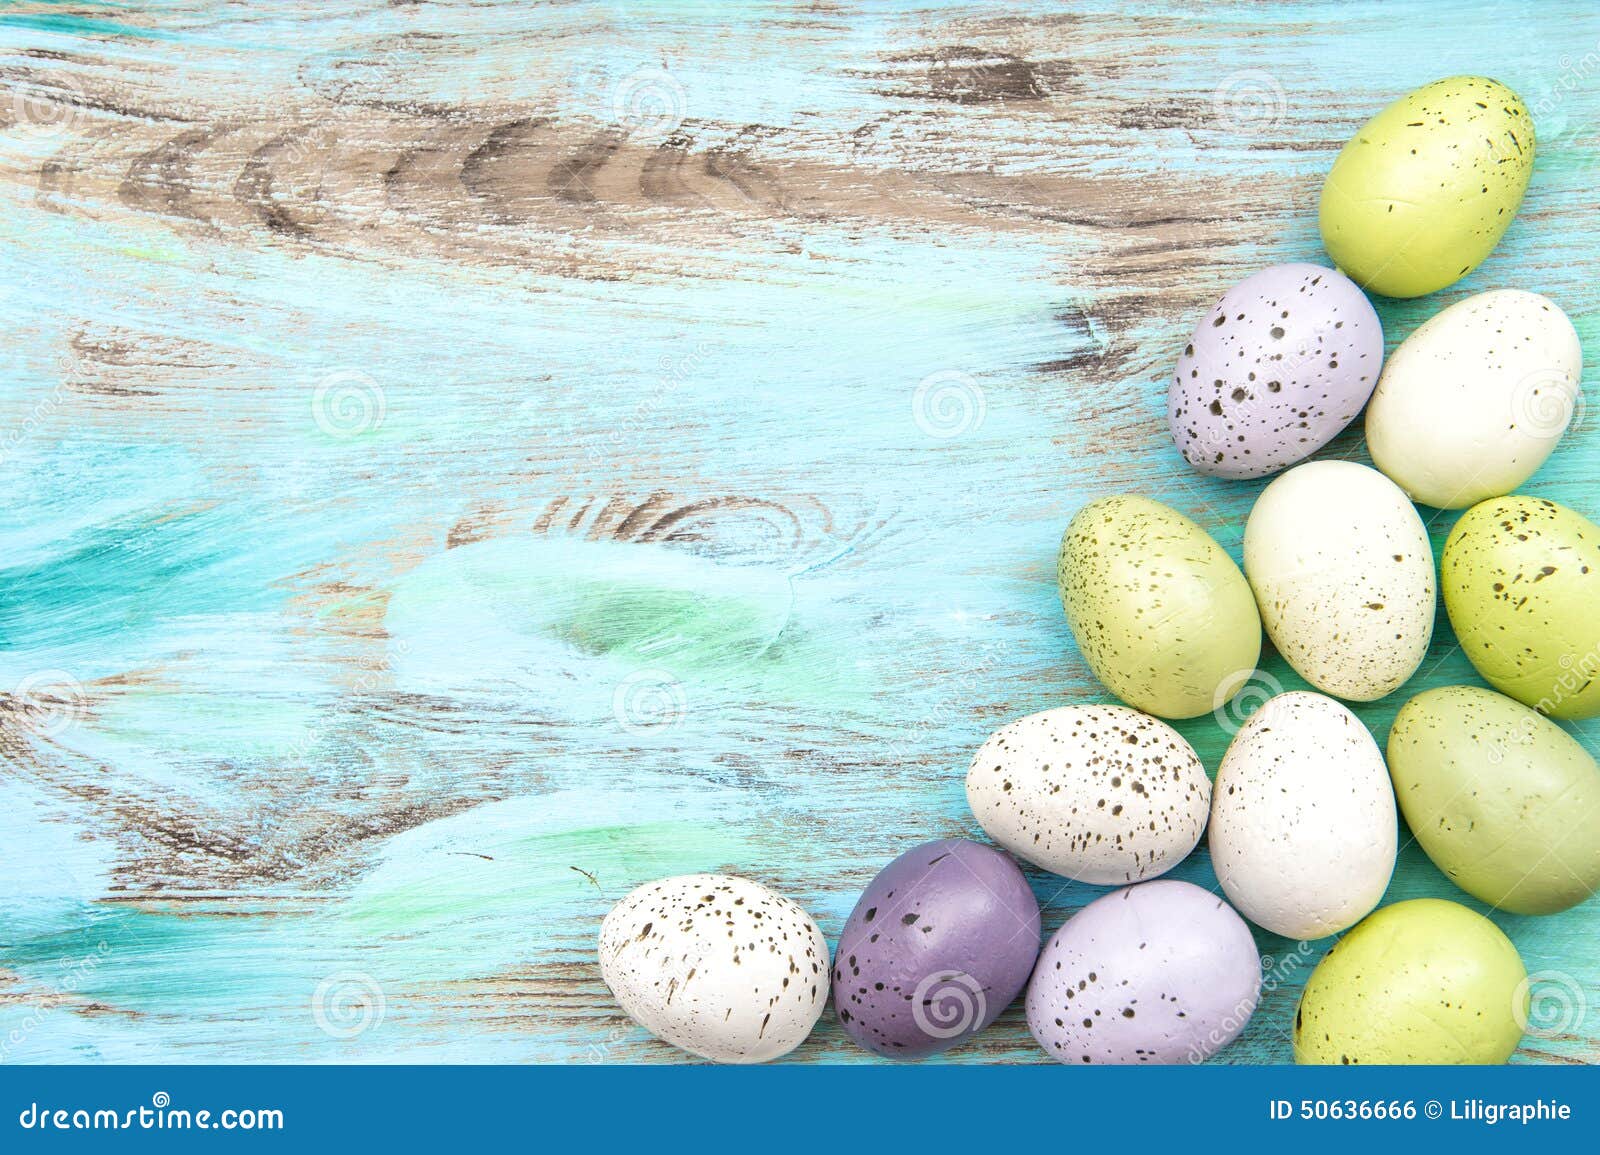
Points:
(1303, 827)
(1101, 794)
(1342, 572)
(1475, 400)
(717, 965)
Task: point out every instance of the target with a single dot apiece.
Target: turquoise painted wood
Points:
(463, 460)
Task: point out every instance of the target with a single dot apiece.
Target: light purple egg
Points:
(1161, 972)
(941, 942)
(1274, 371)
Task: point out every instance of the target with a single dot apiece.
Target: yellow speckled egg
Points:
(1521, 580)
(1424, 190)
(1425, 981)
(1505, 802)
(1160, 612)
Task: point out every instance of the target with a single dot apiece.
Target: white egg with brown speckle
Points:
(1100, 794)
(1475, 400)
(1303, 828)
(719, 966)
(1343, 576)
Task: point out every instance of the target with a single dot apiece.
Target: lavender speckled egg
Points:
(1161, 972)
(941, 942)
(719, 966)
(1274, 371)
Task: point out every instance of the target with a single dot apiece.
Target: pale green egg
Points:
(1521, 581)
(1424, 190)
(1425, 981)
(1505, 802)
(1160, 612)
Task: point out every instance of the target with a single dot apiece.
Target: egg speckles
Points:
(1505, 802)
(1303, 827)
(940, 942)
(1424, 190)
(1101, 794)
(1521, 578)
(1343, 572)
(1159, 611)
(1425, 981)
(1162, 972)
(1274, 371)
(720, 966)
(1474, 401)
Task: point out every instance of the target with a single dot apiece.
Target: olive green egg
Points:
(1160, 612)
(1521, 583)
(1505, 802)
(1425, 981)
(1424, 190)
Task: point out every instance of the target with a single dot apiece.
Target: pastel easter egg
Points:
(1423, 191)
(1475, 400)
(1162, 972)
(718, 966)
(1425, 981)
(1160, 612)
(940, 942)
(1343, 572)
(1101, 794)
(1274, 371)
(1303, 827)
(1505, 802)
(1521, 579)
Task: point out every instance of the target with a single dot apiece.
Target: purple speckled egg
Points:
(1274, 371)
(939, 944)
(1161, 972)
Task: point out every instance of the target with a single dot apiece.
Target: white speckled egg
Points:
(1474, 401)
(1282, 363)
(720, 966)
(1343, 575)
(1100, 794)
(1303, 827)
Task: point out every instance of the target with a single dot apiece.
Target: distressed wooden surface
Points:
(462, 460)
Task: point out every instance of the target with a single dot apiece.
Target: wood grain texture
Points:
(463, 460)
